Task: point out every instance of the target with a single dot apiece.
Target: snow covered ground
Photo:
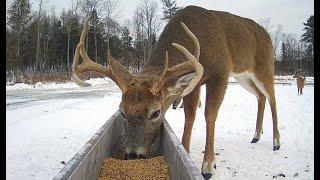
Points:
(48, 123)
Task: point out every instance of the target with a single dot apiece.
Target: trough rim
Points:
(71, 166)
(76, 161)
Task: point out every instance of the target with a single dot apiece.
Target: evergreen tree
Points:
(169, 9)
(284, 53)
(18, 20)
(308, 36)
(115, 47)
(126, 46)
(126, 38)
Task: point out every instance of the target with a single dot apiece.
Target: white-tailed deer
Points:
(223, 45)
(300, 82)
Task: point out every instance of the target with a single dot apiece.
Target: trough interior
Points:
(87, 163)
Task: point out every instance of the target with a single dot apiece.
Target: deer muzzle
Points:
(141, 141)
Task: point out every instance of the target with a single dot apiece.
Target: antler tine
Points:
(194, 40)
(197, 67)
(166, 61)
(186, 67)
(157, 85)
(75, 62)
(88, 64)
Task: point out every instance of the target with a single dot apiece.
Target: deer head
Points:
(144, 99)
(298, 73)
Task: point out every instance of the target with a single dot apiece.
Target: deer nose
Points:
(131, 156)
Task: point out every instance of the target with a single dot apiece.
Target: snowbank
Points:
(98, 82)
(95, 82)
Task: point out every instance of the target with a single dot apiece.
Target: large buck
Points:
(223, 45)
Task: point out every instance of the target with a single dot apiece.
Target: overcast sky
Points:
(289, 13)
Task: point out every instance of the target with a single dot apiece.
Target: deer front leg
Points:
(190, 107)
(214, 97)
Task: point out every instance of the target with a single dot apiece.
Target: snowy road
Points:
(48, 125)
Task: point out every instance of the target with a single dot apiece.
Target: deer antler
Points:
(183, 68)
(89, 65)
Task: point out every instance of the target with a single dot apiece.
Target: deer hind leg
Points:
(245, 81)
(214, 97)
(266, 85)
(260, 113)
(299, 91)
(190, 107)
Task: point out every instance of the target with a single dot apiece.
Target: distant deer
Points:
(300, 82)
(223, 45)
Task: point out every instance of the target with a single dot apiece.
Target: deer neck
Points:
(155, 63)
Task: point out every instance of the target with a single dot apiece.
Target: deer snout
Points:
(138, 153)
(131, 156)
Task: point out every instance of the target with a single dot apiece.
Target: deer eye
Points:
(155, 114)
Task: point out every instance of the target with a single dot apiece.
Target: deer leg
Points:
(214, 97)
(261, 106)
(190, 107)
(246, 82)
(181, 105)
(199, 99)
(267, 88)
(176, 103)
(276, 134)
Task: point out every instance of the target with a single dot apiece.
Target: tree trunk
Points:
(38, 38)
(68, 47)
(95, 44)
(18, 49)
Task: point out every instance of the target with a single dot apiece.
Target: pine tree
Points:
(18, 19)
(169, 9)
(308, 36)
(284, 53)
(115, 47)
(126, 45)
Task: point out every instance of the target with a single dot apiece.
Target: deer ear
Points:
(176, 87)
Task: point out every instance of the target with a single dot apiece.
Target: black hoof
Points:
(206, 176)
(254, 140)
(174, 107)
(276, 148)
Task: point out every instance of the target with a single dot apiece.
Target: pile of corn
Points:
(153, 168)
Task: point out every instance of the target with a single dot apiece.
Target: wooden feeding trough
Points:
(86, 164)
